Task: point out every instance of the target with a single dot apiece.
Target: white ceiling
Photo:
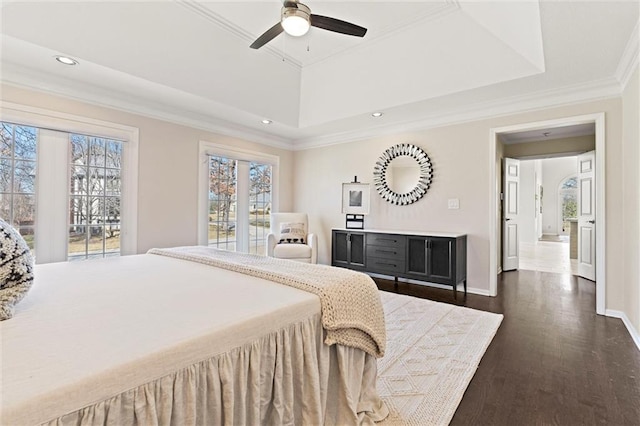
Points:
(421, 62)
(559, 132)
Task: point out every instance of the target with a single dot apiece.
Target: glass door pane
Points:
(259, 206)
(223, 204)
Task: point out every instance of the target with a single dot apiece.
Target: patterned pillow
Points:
(16, 269)
(292, 233)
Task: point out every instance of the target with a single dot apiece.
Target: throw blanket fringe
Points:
(352, 312)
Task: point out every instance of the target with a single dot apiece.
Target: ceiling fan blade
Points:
(269, 35)
(336, 25)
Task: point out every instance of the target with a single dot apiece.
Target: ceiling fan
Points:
(295, 20)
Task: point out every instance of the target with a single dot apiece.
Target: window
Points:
(237, 186)
(568, 194)
(18, 152)
(71, 193)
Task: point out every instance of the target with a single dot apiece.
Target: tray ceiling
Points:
(189, 61)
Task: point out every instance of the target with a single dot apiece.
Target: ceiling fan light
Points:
(295, 21)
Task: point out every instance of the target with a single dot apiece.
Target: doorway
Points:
(548, 199)
(496, 154)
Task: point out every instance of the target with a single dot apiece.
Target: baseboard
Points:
(471, 290)
(479, 291)
(625, 320)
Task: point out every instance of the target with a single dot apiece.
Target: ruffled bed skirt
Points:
(289, 377)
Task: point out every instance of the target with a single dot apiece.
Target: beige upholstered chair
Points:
(301, 252)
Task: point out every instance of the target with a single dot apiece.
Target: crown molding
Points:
(583, 92)
(25, 78)
(196, 7)
(209, 15)
(629, 60)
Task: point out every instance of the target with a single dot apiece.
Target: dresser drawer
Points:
(386, 240)
(389, 253)
(385, 265)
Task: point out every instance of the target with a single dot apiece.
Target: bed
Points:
(163, 339)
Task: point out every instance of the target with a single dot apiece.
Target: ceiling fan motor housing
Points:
(296, 20)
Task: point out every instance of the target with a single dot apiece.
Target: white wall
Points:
(630, 248)
(168, 167)
(460, 155)
(554, 172)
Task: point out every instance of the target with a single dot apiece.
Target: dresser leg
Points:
(395, 284)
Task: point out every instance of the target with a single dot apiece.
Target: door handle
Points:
(592, 222)
(507, 219)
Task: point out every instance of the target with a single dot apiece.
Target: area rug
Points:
(433, 351)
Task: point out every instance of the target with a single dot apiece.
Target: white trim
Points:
(541, 100)
(70, 123)
(582, 92)
(635, 335)
(629, 60)
(205, 149)
(599, 120)
(493, 214)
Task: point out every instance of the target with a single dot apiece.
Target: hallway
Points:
(548, 256)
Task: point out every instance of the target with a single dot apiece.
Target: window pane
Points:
(5, 206)
(114, 154)
(6, 140)
(78, 183)
(25, 142)
(571, 183)
(112, 182)
(97, 152)
(79, 149)
(6, 173)
(24, 210)
(96, 181)
(77, 241)
(25, 177)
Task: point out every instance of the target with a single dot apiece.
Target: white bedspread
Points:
(89, 331)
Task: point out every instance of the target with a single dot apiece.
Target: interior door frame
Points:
(599, 120)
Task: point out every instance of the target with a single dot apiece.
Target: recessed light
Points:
(376, 114)
(66, 60)
(265, 121)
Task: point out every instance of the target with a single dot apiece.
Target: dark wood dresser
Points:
(433, 257)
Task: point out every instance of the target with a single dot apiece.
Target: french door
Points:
(239, 202)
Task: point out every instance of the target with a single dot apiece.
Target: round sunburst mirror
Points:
(402, 174)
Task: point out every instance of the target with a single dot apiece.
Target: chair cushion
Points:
(292, 251)
(292, 233)
(16, 269)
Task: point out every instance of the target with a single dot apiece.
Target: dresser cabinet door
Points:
(348, 249)
(440, 252)
(417, 256)
(431, 258)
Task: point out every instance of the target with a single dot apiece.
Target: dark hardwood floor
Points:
(553, 361)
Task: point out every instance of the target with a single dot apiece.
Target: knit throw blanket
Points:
(352, 313)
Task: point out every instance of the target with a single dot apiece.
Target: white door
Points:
(586, 216)
(511, 210)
